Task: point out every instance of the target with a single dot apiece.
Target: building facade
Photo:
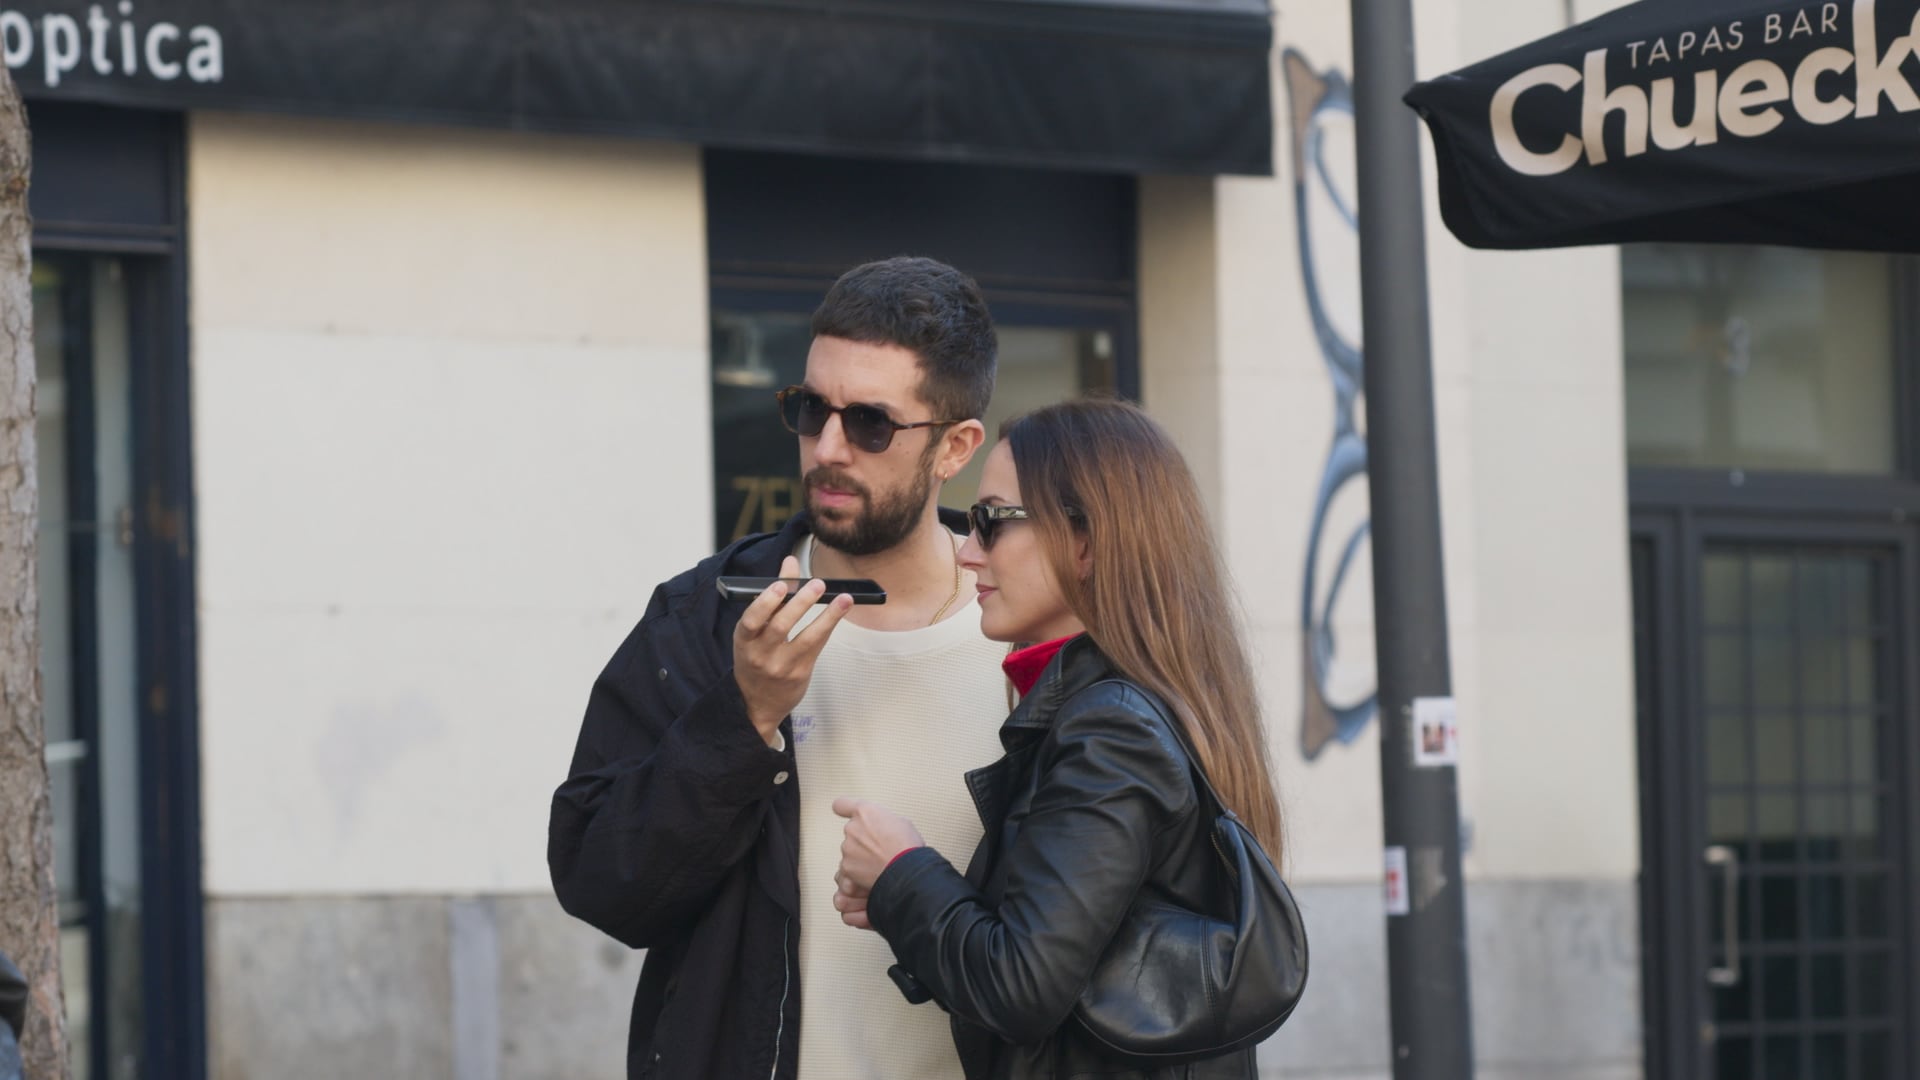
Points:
(373, 406)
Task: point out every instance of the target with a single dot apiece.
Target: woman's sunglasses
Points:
(985, 520)
(867, 427)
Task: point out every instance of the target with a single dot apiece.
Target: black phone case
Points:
(863, 590)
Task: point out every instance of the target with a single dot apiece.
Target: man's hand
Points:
(874, 836)
(773, 672)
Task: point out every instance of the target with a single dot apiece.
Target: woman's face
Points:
(1019, 597)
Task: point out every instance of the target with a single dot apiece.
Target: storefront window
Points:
(1759, 358)
(756, 459)
(87, 667)
(1038, 366)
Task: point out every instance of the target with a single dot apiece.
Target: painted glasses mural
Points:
(1337, 692)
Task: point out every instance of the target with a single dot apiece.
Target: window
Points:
(1761, 358)
(87, 621)
(119, 660)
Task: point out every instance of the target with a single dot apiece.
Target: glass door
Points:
(88, 649)
(1777, 727)
(1801, 777)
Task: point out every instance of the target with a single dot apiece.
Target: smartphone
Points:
(863, 590)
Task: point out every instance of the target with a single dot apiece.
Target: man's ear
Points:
(958, 444)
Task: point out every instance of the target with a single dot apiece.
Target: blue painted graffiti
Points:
(1320, 100)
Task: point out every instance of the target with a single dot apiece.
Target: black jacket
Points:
(678, 831)
(1092, 805)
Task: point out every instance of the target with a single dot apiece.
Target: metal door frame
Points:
(1676, 535)
(138, 213)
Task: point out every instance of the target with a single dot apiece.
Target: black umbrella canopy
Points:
(1714, 121)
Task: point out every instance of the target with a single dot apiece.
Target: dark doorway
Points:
(1775, 692)
(116, 583)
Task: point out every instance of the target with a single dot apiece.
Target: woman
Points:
(1089, 537)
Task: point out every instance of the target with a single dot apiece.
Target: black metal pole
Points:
(1426, 933)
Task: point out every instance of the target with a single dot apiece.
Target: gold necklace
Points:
(956, 584)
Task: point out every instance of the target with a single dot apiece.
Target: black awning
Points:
(1726, 121)
(1107, 85)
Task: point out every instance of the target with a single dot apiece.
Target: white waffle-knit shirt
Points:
(898, 717)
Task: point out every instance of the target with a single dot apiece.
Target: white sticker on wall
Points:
(1395, 882)
(1436, 732)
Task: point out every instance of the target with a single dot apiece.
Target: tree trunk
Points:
(29, 912)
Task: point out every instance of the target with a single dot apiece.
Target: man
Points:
(697, 818)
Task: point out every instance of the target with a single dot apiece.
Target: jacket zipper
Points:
(786, 986)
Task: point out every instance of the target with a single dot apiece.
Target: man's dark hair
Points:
(930, 309)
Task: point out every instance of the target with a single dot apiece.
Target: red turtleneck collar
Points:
(1024, 666)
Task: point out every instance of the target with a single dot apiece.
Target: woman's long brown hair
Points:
(1155, 600)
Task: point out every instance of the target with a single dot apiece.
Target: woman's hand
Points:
(874, 836)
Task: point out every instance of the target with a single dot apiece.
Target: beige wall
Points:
(1528, 402)
(1180, 320)
(1526, 356)
(450, 428)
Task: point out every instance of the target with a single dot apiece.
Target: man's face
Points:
(865, 503)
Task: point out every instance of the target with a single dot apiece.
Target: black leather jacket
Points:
(1092, 804)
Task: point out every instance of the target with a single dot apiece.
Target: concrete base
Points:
(423, 988)
(1556, 984)
(511, 988)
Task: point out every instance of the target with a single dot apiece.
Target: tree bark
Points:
(29, 909)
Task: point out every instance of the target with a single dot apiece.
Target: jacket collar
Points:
(759, 555)
(1078, 665)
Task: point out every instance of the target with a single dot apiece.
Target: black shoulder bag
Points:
(1177, 986)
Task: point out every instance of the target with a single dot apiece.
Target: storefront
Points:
(389, 355)
(350, 318)
(1771, 422)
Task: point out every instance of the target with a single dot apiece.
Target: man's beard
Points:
(878, 524)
